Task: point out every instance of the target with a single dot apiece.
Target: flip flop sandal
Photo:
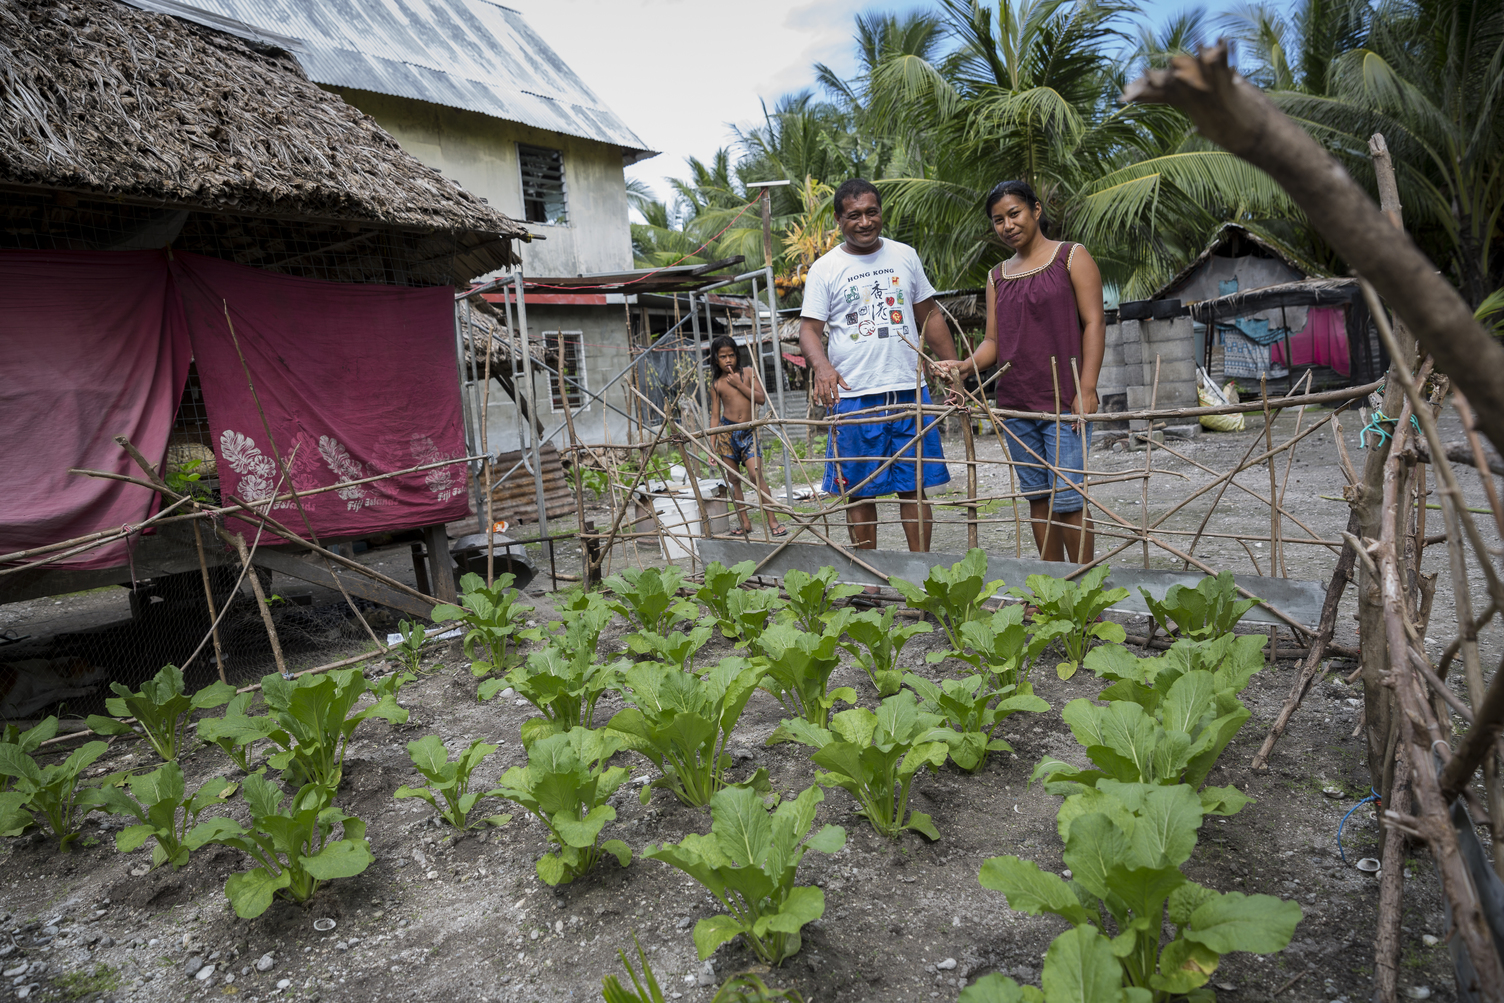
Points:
(781, 531)
(737, 532)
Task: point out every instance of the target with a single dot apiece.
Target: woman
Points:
(1043, 303)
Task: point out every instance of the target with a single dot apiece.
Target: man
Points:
(872, 296)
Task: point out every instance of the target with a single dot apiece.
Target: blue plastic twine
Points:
(1376, 423)
(1373, 796)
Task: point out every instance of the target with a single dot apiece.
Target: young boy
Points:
(736, 390)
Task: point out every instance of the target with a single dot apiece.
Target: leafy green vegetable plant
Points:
(292, 844)
(161, 710)
(51, 791)
(998, 645)
(566, 784)
(493, 618)
(236, 732)
(799, 665)
(314, 717)
(1207, 611)
(564, 686)
(749, 861)
(677, 649)
(1124, 846)
(874, 757)
(650, 596)
(715, 594)
(414, 636)
(682, 722)
(646, 988)
(750, 612)
(952, 595)
(450, 780)
(876, 644)
(165, 811)
(968, 715)
(27, 741)
(1068, 611)
(813, 596)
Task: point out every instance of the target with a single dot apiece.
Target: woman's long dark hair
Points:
(722, 341)
(1021, 191)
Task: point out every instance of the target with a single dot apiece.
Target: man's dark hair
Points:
(721, 341)
(855, 188)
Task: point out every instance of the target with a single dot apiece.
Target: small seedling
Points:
(315, 716)
(1207, 611)
(650, 596)
(493, 619)
(971, 711)
(160, 802)
(877, 645)
(236, 732)
(161, 710)
(813, 596)
(1069, 611)
(414, 637)
(450, 780)
(51, 791)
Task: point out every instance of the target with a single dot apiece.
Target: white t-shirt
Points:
(867, 304)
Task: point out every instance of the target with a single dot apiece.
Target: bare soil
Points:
(440, 916)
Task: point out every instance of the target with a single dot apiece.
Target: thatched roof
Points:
(1229, 232)
(101, 99)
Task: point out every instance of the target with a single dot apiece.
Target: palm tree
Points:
(1031, 93)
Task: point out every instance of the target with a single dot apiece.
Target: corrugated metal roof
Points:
(469, 54)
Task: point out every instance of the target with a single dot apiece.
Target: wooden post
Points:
(261, 603)
(203, 567)
(440, 564)
(971, 483)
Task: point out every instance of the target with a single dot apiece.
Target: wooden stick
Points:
(971, 483)
(1386, 944)
(1149, 458)
(203, 567)
(266, 612)
(1275, 565)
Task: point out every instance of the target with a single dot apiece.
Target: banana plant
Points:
(813, 596)
(650, 596)
(749, 862)
(293, 845)
(164, 811)
(876, 644)
(682, 722)
(564, 687)
(1208, 611)
(313, 718)
(1069, 611)
(970, 711)
(449, 780)
(493, 619)
(952, 595)
(51, 791)
(236, 732)
(161, 710)
(798, 667)
(1124, 849)
(874, 757)
(566, 784)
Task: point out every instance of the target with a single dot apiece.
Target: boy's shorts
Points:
(1029, 439)
(744, 446)
(882, 434)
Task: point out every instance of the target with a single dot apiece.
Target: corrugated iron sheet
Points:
(469, 54)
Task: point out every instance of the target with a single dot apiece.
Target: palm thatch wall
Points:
(116, 107)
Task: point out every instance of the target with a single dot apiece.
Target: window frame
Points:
(563, 219)
(580, 399)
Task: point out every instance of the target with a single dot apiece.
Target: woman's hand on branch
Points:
(1085, 403)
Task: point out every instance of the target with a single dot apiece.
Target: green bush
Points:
(970, 711)
(952, 595)
(876, 644)
(1207, 611)
(650, 596)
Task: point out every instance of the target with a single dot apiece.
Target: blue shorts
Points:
(881, 435)
(1030, 440)
(744, 446)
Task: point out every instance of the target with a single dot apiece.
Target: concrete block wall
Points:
(1128, 363)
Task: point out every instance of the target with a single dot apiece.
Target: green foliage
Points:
(165, 811)
(566, 784)
(1209, 610)
(160, 708)
(1000, 646)
(450, 780)
(813, 596)
(715, 594)
(236, 732)
(677, 649)
(682, 722)
(749, 613)
(952, 595)
(27, 741)
(50, 791)
(997, 988)
(650, 597)
(798, 671)
(1166, 720)
(414, 636)
(564, 685)
(970, 711)
(876, 644)
(1068, 611)
(183, 478)
(749, 988)
(874, 757)
(749, 861)
(313, 717)
(493, 618)
(1124, 847)
(646, 988)
(292, 845)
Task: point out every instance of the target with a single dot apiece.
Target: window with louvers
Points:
(567, 348)
(543, 196)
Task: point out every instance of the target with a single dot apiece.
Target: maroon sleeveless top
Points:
(1036, 319)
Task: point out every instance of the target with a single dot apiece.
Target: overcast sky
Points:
(680, 73)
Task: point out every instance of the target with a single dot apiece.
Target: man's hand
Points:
(826, 384)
